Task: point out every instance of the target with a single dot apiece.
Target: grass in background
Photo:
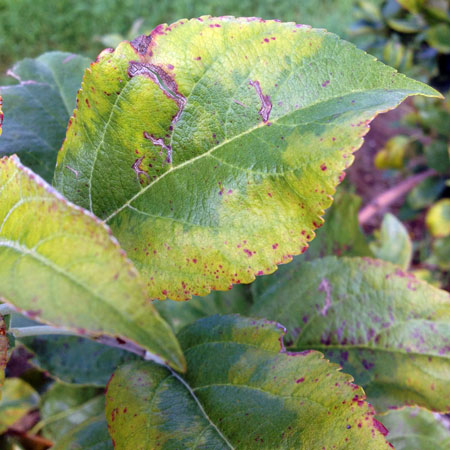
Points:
(31, 27)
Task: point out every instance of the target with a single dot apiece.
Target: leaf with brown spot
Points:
(213, 162)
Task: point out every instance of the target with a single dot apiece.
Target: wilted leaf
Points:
(241, 390)
(416, 429)
(59, 264)
(63, 407)
(214, 161)
(386, 328)
(438, 218)
(75, 359)
(91, 434)
(393, 243)
(18, 398)
(38, 108)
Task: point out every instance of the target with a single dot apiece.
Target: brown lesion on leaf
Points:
(169, 87)
(136, 166)
(266, 104)
(325, 286)
(141, 44)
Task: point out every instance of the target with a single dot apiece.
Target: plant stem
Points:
(6, 309)
(40, 330)
(385, 199)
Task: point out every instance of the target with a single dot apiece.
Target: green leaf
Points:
(438, 218)
(91, 434)
(425, 193)
(180, 314)
(76, 359)
(64, 407)
(393, 154)
(386, 328)
(18, 398)
(413, 6)
(340, 235)
(416, 429)
(437, 155)
(241, 390)
(38, 108)
(438, 37)
(3, 352)
(393, 243)
(60, 265)
(213, 162)
(441, 253)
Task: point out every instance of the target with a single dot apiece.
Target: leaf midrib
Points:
(237, 136)
(26, 251)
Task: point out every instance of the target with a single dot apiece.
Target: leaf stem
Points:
(40, 330)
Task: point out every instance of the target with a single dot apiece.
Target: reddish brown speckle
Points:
(300, 380)
(323, 167)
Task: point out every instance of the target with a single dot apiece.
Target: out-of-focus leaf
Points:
(393, 53)
(229, 148)
(438, 218)
(437, 156)
(76, 359)
(18, 398)
(393, 243)
(59, 264)
(438, 37)
(441, 253)
(415, 429)
(425, 193)
(37, 109)
(413, 6)
(386, 328)
(393, 153)
(180, 314)
(64, 407)
(412, 24)
(241, 390)
(90, 435)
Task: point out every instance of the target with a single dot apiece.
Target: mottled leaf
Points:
(213, 162)
(63, 407)
(241, 390)
(180, 314)
(38, 108)
(59, 264)
(18, 398)
(416, 429)
(91, 434)
(340, 235)
(393, 243)
(385, 327)
(75, 359)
